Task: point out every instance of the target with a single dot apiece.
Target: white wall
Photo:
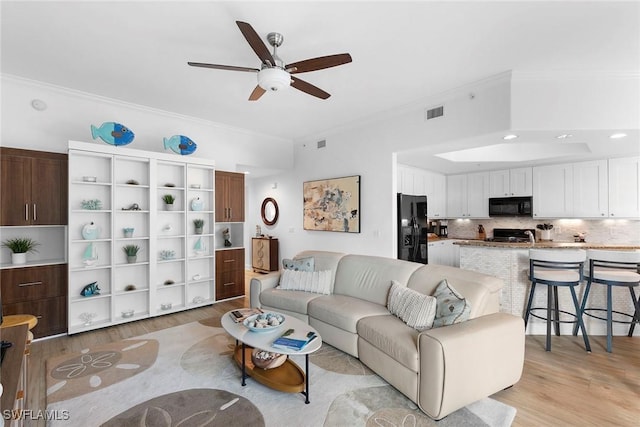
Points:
(70, 114)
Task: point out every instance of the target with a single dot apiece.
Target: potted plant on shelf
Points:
(199, 224)
(19, 247)
(545, 231)
(168, 200)
(132, 252)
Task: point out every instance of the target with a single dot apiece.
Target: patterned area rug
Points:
(185, 376)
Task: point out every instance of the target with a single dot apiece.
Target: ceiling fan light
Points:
(273, 79)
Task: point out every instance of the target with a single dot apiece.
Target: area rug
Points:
(185, 376)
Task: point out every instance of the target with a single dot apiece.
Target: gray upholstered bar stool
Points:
(556, 268)
(613, 269)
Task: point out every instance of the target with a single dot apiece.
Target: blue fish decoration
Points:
(180, 144)
(90, 289)
(113, 133)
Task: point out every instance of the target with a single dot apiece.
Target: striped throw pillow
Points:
(318, 282)
(413, 308)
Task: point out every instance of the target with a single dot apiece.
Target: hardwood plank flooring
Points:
(564, 387)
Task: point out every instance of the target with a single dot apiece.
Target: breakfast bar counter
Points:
(510, 262)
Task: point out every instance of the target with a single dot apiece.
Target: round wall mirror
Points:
(269, 211)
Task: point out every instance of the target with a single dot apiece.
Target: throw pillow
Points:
(318, 282)
(300, 264)
(413, 308)
(451, 307)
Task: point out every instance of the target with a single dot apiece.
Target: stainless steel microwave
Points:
(510, 206)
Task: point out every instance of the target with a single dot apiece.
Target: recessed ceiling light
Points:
(509, 137)
(617, 135)
(564, 136)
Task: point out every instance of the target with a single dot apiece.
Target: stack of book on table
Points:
(240, 314)
(294, 340)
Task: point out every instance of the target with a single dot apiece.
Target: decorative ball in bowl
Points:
(264, 322)
(266, 359)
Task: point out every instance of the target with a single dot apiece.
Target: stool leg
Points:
(636, 316)
(528, 310)
(609, 318)
(556, 323)
(583, 305)
(579, 319)
(549, 302)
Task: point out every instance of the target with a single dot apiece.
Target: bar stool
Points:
(613, 268)
(554, 268)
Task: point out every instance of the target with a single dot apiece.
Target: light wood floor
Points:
(564, 387)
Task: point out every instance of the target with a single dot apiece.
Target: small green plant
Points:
(198, 223)
(168, 199)
(21, 245)
(131, 250)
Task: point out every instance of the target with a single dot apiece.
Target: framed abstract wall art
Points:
(332, 204)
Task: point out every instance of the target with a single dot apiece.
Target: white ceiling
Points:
(402, 51)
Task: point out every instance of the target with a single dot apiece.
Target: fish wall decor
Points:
(90, 289)
(113, 133)
(180, 144)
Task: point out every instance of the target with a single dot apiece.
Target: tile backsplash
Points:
(618, 231)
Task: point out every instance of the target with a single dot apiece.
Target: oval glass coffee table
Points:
(288, 377)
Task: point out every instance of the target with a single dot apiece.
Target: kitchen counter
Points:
(545, 245)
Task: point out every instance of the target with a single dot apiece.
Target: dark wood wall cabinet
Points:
(33, 187)
(40, 291)
(229, 273)
(264, 254)
(229, 197)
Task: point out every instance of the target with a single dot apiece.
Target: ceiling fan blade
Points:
(223, 67)
(308, 88)
(256, 43)
(257, 93)
(319, 63)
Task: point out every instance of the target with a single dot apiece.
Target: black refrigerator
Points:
(412, 228)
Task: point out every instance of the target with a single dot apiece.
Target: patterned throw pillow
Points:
(452, 307)
(318, 282)
(300, 264)
(413, 308)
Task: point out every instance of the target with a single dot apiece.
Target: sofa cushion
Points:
(343, 312)
(391, 336)
(299, 264)
(451, 306)
(318, 282)
(295, 301)
(413, 308)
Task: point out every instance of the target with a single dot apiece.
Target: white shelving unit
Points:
(175, 267)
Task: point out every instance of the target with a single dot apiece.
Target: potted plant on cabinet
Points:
(132, 252)
(19, 247)
(168, 200)
(199, 225)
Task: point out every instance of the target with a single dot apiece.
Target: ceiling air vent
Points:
(432, 113)
(322, 144)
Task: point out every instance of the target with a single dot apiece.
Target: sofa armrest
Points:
(259, 284)
(465, 362)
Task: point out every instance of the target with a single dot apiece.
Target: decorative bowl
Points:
(127, 313)
(89, 178)
(266, 359)
(264, 322)
(166, 306)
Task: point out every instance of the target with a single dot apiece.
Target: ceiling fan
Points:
(273, 73)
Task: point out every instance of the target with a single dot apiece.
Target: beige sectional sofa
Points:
(441, 369)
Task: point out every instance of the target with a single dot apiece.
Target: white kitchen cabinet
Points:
(468, 195)
(590, 193)
(511, 182)
(552, 191)
(418, 182)
(116, 199)
(624, 187)
(444, 252)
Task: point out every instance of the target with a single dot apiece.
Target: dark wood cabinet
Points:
(229, 273)
(33, 187)
(40, 291)
(229, 197)
(264, 254)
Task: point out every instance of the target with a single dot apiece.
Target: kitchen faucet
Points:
(532, 238)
